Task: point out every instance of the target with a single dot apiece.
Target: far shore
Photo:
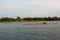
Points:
(26, 21)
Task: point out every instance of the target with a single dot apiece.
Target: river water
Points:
(21, 31)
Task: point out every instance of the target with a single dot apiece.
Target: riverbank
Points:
(28, 21)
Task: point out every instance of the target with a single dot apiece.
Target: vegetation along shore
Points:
(19, 19)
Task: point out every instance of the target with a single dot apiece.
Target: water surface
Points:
(18, 31)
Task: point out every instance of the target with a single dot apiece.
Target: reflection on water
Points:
(17, 31)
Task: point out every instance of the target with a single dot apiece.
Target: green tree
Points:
(18, 19)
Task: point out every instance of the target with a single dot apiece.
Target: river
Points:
(18, 31)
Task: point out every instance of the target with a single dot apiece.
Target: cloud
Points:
(30, 7)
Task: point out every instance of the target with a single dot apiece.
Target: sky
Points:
(29, 8)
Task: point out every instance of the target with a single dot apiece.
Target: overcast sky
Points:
(29, 8)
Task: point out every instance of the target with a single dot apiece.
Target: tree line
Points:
(18, 19)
